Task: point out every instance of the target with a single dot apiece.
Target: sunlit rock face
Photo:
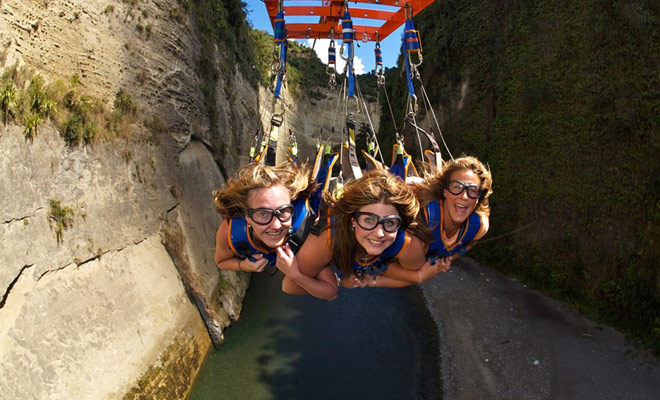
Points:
(107, 303)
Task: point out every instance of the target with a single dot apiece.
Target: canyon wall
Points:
(125, 299)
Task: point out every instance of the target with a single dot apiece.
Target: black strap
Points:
(322, 221)
(298, 238)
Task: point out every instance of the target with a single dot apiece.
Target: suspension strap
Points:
(270, 150)
(347, 43)
(411, 44)
(402, 165)
(438, 158)
(373, 149)
(379, 71)
(278, 31)
(322, 174)
(349, 162)
(281, 71)
(332, 62)
(292, 156)
(411, 38)
(278, 65)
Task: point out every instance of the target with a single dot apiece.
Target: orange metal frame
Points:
(330, 12)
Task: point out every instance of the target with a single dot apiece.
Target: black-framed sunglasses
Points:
(457, 187)
(263, 216)
(369, 221)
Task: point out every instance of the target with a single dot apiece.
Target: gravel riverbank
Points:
(502, 340)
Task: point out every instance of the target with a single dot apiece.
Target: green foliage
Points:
(72, 129)
(76, 130)
(306, 73)
(124, 103)
(60, 218)
(31, 124)
(81, 118)
(41, 106)
(80, 124)
(262, 44)
(562, 102)
(124, 113)
(41, 102)
(7, 101)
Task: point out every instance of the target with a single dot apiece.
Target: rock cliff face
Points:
(127, 288)
(122, 294)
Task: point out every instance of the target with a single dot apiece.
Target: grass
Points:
(60, 218)
(80, 118)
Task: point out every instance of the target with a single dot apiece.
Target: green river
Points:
(370, 343)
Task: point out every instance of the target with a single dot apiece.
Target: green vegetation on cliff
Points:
(80, 118)
(563, 103)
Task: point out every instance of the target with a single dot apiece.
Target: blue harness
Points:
(240, 238)
(380, 264)
(467, 233)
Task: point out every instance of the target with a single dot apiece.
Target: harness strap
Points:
(349, 161)
(304, 218)
(467, 232)
(282, 69)
(271, 149)
(402, 165)
(322, 173)
(378, 70)
(347, 39)
(371, 162)
(292, 155)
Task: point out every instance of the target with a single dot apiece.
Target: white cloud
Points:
(321, 49)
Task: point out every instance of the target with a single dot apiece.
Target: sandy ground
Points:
(502, 340)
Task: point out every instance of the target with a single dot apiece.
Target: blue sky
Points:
(364, 54)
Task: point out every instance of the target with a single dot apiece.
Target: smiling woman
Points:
(263, 208)
(369, 238)
(258, 213)
(456, 207)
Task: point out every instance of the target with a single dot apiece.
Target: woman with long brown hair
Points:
(370, 237)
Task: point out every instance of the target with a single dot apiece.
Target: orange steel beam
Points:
(330, 12)
(337, 12)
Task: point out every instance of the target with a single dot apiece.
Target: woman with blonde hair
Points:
(265, 216)
(455, 205)
(369, 238)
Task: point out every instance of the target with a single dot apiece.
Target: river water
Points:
(370, 343)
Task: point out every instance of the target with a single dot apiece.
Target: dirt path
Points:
(501, 340)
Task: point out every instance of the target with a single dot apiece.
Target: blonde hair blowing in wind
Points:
(435, 182)
(231, 201)
(375, 186)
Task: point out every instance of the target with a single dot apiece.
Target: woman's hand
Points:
(286, 261)
(429, 270)
(352, 281)
(443, 264)
(258, 265)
